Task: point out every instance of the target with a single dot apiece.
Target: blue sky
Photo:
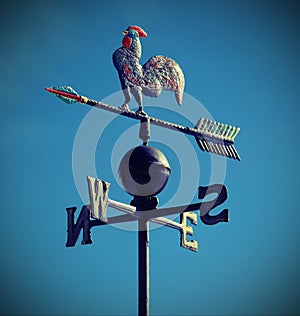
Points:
(241, 61)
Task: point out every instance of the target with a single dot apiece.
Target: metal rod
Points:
(143, 204)
(143, 266)
(155, 121)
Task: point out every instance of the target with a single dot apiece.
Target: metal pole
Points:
(143, 259)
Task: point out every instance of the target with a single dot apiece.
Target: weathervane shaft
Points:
(143, 266)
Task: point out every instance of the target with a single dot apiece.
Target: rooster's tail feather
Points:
(163, 73)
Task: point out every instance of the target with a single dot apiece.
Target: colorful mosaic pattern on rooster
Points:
(157, 74)
(163, 73)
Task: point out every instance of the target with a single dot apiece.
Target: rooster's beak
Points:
(125, 32)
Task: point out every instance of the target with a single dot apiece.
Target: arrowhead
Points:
(65, 93)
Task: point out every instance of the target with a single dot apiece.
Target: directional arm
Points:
(214, 137)
(143, 212)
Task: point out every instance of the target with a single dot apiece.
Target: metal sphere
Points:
(144, 171)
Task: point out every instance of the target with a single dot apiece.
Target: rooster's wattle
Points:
(157, 74)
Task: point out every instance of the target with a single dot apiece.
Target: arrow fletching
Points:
(218, 138)
(65, 93)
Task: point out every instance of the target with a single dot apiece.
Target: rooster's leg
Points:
(126, 93)
(137, 93)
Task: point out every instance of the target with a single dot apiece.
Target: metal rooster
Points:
(157, 74)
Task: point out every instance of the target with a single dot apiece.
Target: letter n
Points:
(83, 222)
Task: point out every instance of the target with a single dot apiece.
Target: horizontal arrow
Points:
(211, 136)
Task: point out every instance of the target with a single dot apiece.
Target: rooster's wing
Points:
(163, 73)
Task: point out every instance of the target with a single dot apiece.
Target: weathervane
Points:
(144, 170)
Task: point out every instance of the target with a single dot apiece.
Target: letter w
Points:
(98, 192)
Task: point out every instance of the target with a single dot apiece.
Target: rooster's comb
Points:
(140, 31)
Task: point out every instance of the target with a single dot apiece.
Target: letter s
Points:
(206, 207)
